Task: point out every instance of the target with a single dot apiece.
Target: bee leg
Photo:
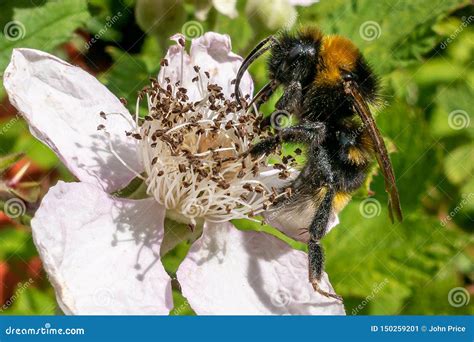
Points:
(265, 146)
(316, 266)
(288, 102)
(307, 133)
(315, 250)
(264, 94)
(292, 98)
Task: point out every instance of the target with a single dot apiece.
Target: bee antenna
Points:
(257, 51)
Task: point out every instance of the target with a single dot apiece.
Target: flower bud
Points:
(160, 17)
(271, 15)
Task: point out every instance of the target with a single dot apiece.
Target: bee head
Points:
(294, 57)
(324, 64)
(339, 62)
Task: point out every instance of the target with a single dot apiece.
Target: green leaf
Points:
(367, 255)
(17, 139)
(433, 298)
(459, 164)
(393, 35)
(136, 189)
(453, 113)
(9, 160)
(127, 77)
(43, 27)
(30, 300)
(16, 244)
(417, 152)
(181, 306)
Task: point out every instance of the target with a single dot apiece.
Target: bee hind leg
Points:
(315, 250)
(316, 262)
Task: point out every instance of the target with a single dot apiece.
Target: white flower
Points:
(302, 2)
(226, 7)
(102, 253)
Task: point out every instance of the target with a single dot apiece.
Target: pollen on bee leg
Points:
(192, 154)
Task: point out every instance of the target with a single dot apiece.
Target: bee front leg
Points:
(265, 146)
(292, 98)
(306, 133)
(289, 102)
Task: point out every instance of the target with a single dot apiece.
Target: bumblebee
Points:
(328, 86)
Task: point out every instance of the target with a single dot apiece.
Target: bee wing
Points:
(381, 154)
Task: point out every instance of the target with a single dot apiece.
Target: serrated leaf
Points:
(42, 27)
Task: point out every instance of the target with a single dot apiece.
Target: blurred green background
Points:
(423, 50)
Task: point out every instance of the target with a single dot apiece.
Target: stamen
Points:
(193, 152)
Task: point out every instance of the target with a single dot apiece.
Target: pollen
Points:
(193, 153)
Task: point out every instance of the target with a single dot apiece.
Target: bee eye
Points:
(294, 53)
(348, 76)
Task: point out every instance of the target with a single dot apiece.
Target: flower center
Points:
(192, 153)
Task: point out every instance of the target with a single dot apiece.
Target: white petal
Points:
(293, 223)
(62, 105)
(212, 53)
(226, 7)
(102, 253)
(202, 8)
(231, 272)
(303, 2)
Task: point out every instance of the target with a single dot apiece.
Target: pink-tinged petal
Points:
(232, 272)
(180, 69)
(303, 2)
(212, 53)
(101, 253)
(62, 104)
(293, 222)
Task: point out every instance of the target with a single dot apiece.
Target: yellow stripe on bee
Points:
(337, 53)
(340, 201)
(357, 156)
